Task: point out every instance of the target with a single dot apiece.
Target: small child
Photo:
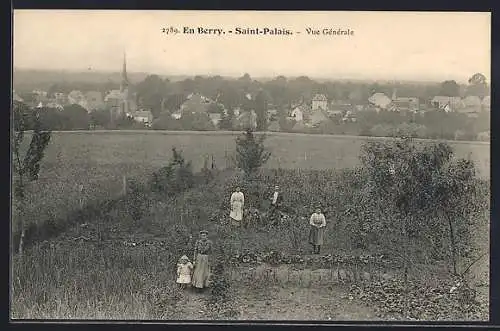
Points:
(184, 269)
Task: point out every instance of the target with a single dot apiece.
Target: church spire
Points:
(124, 83)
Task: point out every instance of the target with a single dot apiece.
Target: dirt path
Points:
(278, 303)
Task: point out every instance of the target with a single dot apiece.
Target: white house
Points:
(237, 111)
(215, 118)
(447, 103)
(143, 116)
(319, 102)
(297, 114)
(380, 100)
(177, 114)
(77, 98)
(486, 103)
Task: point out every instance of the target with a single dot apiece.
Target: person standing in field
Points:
(276, 203)
(237, 203)
(184, 270)
(317, 230)
(202, 251)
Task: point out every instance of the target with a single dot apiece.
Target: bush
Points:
(176, 177)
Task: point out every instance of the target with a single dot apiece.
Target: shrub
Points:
(176, 177)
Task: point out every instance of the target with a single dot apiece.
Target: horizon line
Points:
(229, 75)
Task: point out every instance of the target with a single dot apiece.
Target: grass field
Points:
(99, 160)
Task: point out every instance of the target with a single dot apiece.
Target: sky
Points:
(385, 45)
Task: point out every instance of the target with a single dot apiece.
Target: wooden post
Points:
(80, 195)
(124, 184)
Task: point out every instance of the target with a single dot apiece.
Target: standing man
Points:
(276, 204)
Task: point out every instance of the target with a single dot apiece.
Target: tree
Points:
(166, 122)
(226, 122)
(427, 190)
(174, 101)
(261, 110)
(26, 166)
(250, 152)
(151, 92)
(100, 118)
(75, 117)
(450, 88)
(196, 122)
(478, 86)
(174, 178)
(215, 108)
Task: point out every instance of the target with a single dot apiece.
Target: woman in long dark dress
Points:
(317, 231)
(202, 251)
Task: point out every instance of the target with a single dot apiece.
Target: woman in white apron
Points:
(237, 203)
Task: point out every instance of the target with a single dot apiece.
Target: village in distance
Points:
(92, 101)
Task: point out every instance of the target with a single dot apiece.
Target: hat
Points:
(184, 258)
(204, 231)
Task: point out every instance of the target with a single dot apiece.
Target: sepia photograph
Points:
(250, 166)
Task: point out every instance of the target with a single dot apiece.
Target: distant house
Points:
(319, 101)
(484, 136)
(196, 104)
(472, 101)
(60, 98)
(335, 113)
(274, 126)
(55, 105)
(447, 104)
(94, 100)
(380, 100)
(247, 120)
(215, 118)
(297, 114)
(113, 98)
(486, 103)
(40, 93)
(318, 117)
(237, 111)
(472, 106)
(406, 104)
(176, 114)
(119, 102)
(16, 97)
(143, 116)
(349, 116)
(78, 98)
(299, 126)
(272, 113)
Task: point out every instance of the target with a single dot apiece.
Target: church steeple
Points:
(124, 82)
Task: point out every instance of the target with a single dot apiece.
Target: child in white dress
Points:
(184, 271)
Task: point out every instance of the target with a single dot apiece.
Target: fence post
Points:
(80, 195)
(124, 184)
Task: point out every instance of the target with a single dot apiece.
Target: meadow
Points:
(99, 160)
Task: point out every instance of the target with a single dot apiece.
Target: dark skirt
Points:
(316, 235)
(201, 274)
